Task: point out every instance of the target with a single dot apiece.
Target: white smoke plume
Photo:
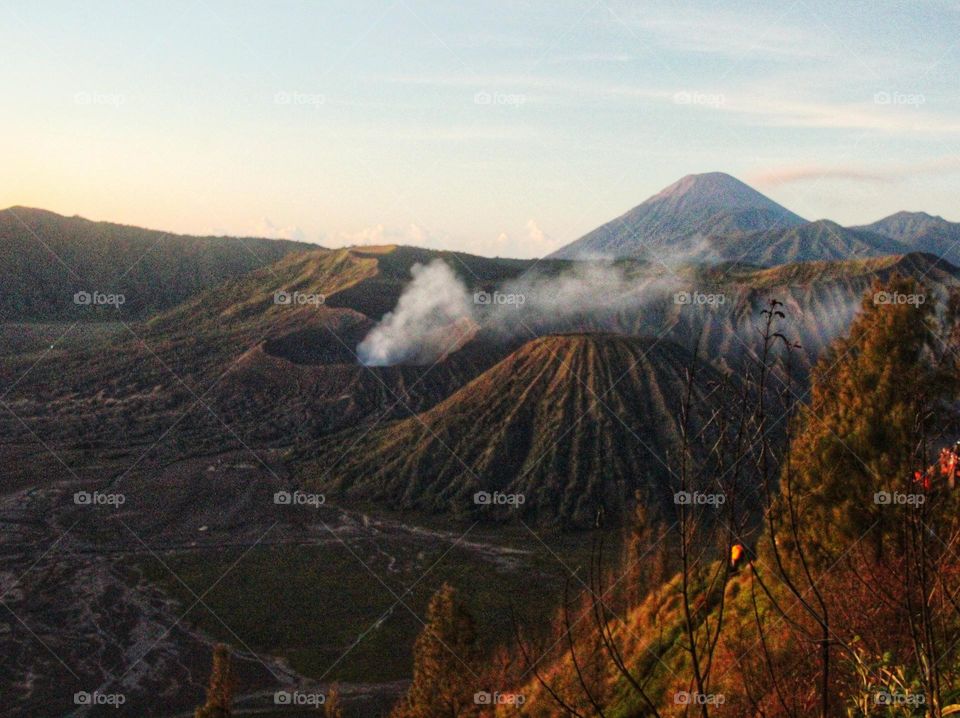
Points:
(590, 292)
(437, 308)
(430, 314)
(437, 311)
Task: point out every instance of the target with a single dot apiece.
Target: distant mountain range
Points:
(921, 232)
(680, 217)
(46, 258)
(818, 241)
(714, 217)
(287, 376)
(221, 392)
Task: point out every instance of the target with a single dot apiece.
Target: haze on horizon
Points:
(510, 129)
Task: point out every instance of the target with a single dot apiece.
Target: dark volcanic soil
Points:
(78, 614)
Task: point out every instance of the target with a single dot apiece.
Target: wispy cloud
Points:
(532, 242)
(264, 227)
(268, 228)
(794, 174)
(725, 32)
(779, 176)
(768, 105)
(772, 111)
(378, 234)
(592, 57)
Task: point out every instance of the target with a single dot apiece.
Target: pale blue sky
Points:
(499, 128)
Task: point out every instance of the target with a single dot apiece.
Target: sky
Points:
(499, 128)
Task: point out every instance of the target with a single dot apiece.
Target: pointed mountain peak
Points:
(706, 184)
(716, 190)
(680, 216)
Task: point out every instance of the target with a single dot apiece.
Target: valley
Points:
(583, 396)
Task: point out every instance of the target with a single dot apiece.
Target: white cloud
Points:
(264, 227)
(378, 234)
(536, 236)
(365, 237)
(532, 242)
(724, 32)
(879, 117)
(417, 235)
(798, 173)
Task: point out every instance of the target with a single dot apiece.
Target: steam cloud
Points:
(437, 312)
(429, 315)
(437, 309)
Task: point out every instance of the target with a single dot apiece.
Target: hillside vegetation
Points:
(46, 258)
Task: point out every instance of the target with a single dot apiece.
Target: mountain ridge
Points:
(679, 215)
(921, 232)
(47, 258)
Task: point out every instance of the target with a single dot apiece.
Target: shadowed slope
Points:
(575, 423)
(45, 258)
(922, 232)
(822, 240)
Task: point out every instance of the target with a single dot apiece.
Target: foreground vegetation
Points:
(845, 598)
